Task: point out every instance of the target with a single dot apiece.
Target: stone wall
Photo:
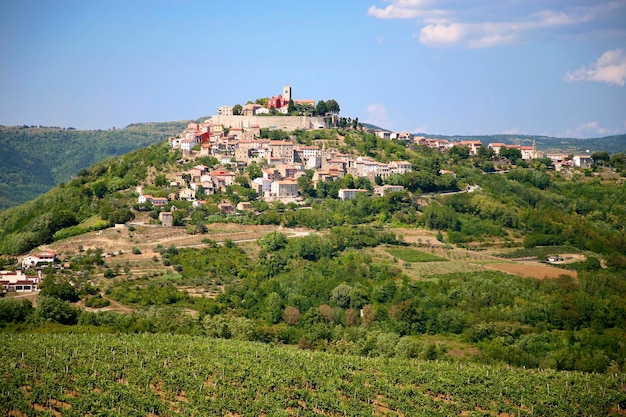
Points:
(287, 123)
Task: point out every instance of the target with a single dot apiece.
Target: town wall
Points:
(287, 123)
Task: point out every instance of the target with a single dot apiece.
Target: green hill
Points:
(35, 159)
(348, 282)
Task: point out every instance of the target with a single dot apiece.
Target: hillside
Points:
(139, 375)
(35, 159)
(460, 270)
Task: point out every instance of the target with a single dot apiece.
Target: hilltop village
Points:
(238, 137)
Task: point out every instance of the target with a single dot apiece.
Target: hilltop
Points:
(33, 159)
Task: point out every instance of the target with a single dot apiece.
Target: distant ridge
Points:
(33, 159)
(610, 144)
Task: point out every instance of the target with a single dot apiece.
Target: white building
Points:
(225, 111)
(19, 282)
(582, 161)
(262, 186)
(43, 257)
(350, 193)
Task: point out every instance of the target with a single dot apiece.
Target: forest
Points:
(34, 159)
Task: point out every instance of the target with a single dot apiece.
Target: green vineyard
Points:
(178, 375)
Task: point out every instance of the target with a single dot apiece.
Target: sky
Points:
(449, 67)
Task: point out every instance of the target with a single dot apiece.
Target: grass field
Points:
(412, 255)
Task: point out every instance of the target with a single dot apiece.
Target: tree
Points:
(237, 109)
(330, 314)
(332, 106)
(273, 308)
(120, 216)
(160, 180)
(14, 311)
(272, 241)
(618, 161)
(62, 291)
(340, 295)
(440, 217)
(305, 184)
(512, 154)
(291, 315)
(99, 188)
(368, 315)
(600, 158)
(321, 108)
(254, 170)
(485, 153)
(262, 101)
(458, 152)
(50, 308)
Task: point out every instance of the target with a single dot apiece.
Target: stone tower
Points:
(287, 93)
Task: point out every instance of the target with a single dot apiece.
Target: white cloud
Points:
(458, 25)
(377, 115)
(589, 129)
(470, 35)
(610, 68)
(400, 9)
(513, 131)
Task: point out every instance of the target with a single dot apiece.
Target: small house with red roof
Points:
(42, 257)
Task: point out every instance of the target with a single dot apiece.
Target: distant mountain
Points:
(33, 159)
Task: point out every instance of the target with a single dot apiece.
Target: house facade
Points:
(43, 257)
(17, 281)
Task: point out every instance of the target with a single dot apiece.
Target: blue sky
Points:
(454, 67)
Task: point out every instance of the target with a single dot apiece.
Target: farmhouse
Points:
(166, 218)
(43, 257)
(582, 161)
(19, 282)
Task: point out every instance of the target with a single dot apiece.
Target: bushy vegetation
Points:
(327, 292)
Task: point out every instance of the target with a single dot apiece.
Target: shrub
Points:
(97, 302)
